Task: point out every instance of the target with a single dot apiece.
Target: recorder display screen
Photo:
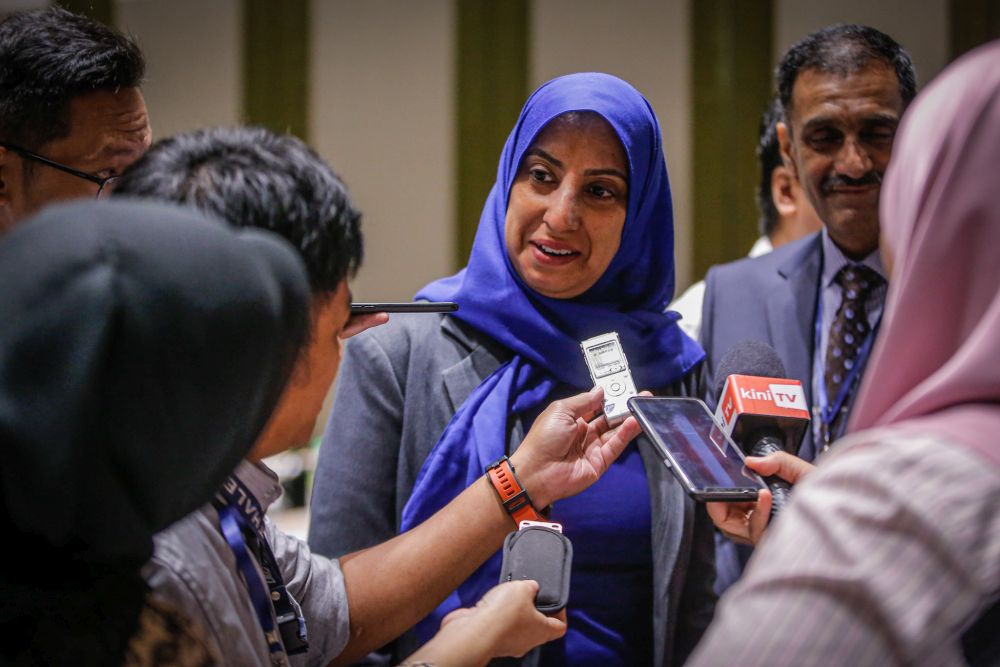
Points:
(605, 359)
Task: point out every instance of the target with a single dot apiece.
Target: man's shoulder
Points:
(765, 267)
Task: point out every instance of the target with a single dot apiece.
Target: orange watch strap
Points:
(513, 496)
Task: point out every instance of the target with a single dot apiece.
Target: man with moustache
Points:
(71, 113)
(818, 301)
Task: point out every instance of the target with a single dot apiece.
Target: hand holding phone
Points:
(704, 459)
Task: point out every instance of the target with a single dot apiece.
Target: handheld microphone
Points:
(760, 408)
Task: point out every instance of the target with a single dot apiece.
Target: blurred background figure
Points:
(887, 552)
(118, 368)
(71, 113)
(785, 214)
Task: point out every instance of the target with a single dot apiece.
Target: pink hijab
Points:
(936, 366)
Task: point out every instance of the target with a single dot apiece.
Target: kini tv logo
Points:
(788, 396)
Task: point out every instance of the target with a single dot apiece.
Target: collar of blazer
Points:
(481, 355)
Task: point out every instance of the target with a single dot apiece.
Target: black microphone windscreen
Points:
(748, 357)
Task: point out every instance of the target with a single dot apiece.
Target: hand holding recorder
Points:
(568, 449)
(504, 623)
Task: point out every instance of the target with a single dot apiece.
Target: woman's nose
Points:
(562, 213)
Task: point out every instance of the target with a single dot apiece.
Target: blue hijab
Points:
(545, 333)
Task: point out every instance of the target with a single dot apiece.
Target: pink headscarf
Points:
(936, 365)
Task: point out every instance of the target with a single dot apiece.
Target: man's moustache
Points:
(839, 180)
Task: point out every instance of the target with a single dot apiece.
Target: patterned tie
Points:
(850, 329)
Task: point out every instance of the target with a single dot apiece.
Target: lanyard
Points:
(241, 520)
(828, 412)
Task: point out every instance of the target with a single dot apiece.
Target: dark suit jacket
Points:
(772, 299)
(398, 387)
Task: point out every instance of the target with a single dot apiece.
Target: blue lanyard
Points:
(240, 514)
(828, 412)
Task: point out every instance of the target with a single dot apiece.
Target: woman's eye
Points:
(602, 192)
(540, 175)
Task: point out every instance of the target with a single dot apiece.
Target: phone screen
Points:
(704, 458)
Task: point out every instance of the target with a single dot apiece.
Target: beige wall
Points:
(920, 26)
(382, 113)
(382, 101)
(193, 53)
(644, 42)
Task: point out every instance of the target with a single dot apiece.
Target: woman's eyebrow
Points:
(538, 152)
(607, 171)
(602, 171)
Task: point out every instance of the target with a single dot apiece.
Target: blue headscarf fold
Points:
(545, 333)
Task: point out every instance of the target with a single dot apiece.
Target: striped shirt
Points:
(886, 554)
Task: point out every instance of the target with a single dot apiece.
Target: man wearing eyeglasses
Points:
(71, 114)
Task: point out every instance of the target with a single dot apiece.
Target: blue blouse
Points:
(610, 606)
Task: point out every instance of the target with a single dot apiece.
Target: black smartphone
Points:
(405, 307)
(704, 459)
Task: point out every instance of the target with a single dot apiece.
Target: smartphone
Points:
(405, 307)
(608, 368)
(704, 459)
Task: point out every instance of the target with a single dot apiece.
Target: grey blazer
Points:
(398, 387)
(772, 299)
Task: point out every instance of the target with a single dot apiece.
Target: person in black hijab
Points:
(142, 349)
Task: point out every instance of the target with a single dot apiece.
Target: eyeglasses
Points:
(102, 183)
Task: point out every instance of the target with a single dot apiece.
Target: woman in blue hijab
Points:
(575, 240)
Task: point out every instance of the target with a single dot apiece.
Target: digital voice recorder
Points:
(609, 369)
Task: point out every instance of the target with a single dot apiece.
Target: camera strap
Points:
(241, 520)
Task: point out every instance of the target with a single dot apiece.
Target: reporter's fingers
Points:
(522, 588)
(455, 615)
(618, 438)
(760, 516)
(556, 625)
(587, 403)
(719, 513)
(358, 323)
(786, 466)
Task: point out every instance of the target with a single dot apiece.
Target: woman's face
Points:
(567, 206)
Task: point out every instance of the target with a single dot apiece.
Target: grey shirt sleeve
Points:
(317, 584)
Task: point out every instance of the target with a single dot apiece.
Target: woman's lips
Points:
(553, 254)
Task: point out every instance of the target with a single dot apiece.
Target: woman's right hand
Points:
(569, 447)
(746, 523)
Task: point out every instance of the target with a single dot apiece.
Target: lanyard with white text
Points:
(236, 504)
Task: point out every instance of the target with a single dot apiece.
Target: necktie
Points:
(849, 331)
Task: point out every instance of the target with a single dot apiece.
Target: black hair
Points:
(844, 49)
(252, 177)
(48, 57)
(769, 158)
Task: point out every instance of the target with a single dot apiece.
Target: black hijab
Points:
(142, 349)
